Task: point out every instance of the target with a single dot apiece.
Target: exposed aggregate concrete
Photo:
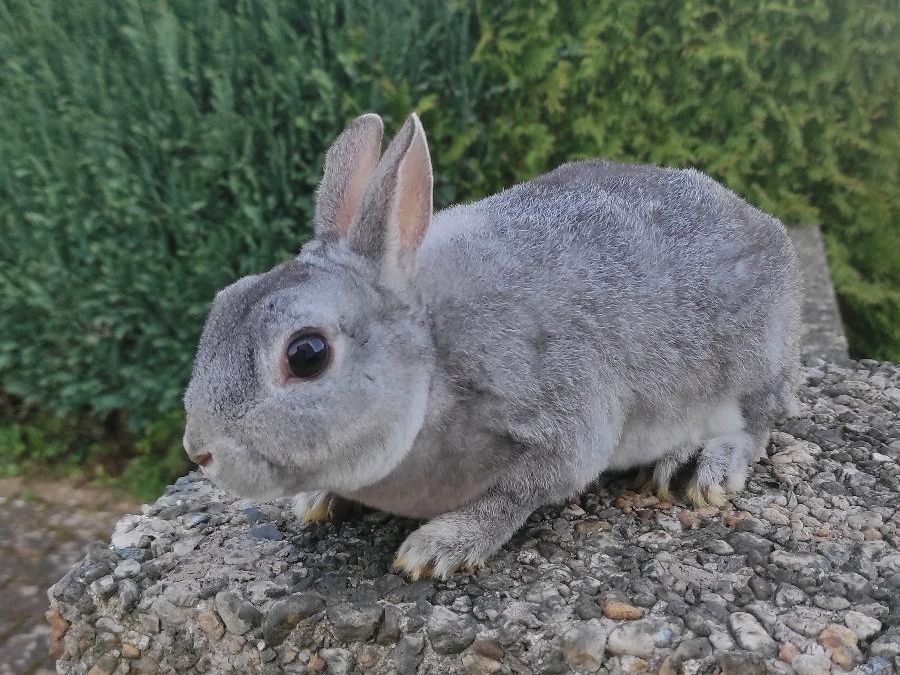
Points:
(800, 573)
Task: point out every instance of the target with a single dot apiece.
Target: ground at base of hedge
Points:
(45, 526)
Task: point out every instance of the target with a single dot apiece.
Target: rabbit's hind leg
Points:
(665, 469)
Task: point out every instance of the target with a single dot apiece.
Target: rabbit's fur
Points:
(500, 355)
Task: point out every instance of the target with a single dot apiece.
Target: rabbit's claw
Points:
(665, 470)
(472, 568)
(314, 507)
(413, 572)
(721, 469)
(701, 497)
(662, 491)
(440, 549)
(659, 490)
(695, 496)
(318, 513)
(427, 571)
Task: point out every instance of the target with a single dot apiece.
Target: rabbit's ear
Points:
(396, 209)
(349, 164)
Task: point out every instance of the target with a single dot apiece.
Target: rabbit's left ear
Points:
(397, 207)
(349, 164)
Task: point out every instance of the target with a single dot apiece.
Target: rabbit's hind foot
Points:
(664, 471)
(721, 469)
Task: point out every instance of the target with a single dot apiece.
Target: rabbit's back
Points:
(659, 279)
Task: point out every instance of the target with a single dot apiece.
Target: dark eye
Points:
(308, 355)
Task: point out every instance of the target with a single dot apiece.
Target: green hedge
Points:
(150, 152)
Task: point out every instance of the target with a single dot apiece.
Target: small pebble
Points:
(863, 626)
(613, 609)
(788, 652)
(841, 642)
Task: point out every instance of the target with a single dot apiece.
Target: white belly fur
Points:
(646, 439)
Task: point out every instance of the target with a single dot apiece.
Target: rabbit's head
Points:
(315, 374)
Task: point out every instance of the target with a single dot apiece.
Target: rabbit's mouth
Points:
(246, 472)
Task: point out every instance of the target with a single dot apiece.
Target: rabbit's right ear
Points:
(349, 164)
(397, 206)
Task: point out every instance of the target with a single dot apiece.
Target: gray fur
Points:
(600, 316)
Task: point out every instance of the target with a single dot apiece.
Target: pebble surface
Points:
(800, 573)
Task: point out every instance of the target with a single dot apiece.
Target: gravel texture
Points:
(800, 573)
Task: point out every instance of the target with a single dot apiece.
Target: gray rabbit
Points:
(472, 365)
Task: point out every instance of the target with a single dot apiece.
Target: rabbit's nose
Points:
(199, 458)
(202, 459)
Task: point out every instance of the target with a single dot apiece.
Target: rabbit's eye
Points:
(308, 355)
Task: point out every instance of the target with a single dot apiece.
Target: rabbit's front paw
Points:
(314, 507)
(443, 546)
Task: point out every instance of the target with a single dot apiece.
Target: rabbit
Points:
(468, 366)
